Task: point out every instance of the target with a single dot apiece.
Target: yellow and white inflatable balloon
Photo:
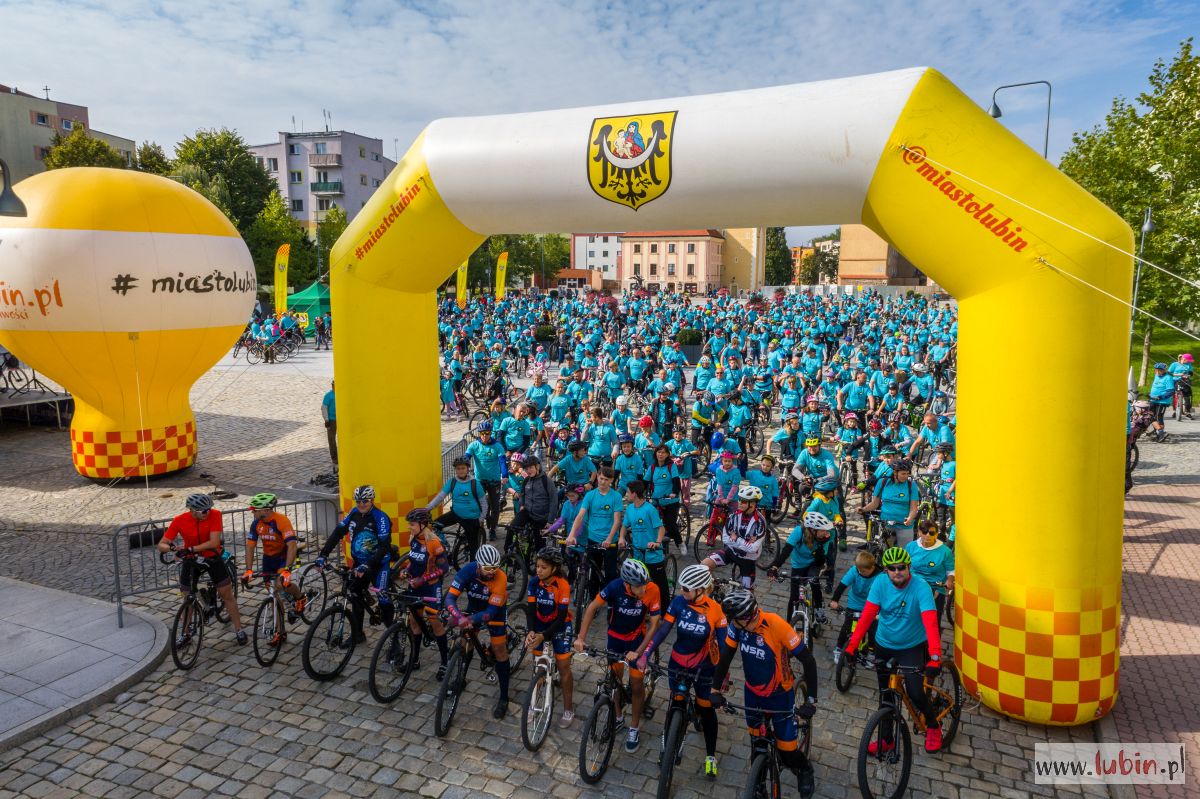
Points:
(124, 287)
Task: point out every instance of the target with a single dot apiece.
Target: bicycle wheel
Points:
(254, 354)
(843, 675)
(391, 663)
(459, 556)
(328, 644)
(770, 548)
(596, 745)
(758, 780)
(517, 627)
(268, 623)
(314, 587)
(449, 692)
(756, 441)
(517, 571)
(945, 699)
(672, 751)
(685, 520)
(700, 544)
(537, 710)
(187, 633)
(671, 566)
(884, 775)
(480, 415)
(1133, 456)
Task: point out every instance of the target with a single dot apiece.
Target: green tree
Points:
(152, 159)
(328, 231)
(1144, 156)
(525, 257)
(77, 148)
(274, 226)
(816, 264)
(223, 153)
(212, 188)
(779, 258)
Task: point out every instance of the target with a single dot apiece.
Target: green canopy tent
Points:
(312, 301)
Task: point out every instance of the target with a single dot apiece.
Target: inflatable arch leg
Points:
(910, 156)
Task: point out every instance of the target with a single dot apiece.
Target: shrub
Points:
(545, 333)
(689, 335)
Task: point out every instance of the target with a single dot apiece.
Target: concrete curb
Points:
(1105, 731)
(48, 721)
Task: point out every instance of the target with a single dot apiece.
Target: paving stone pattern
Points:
(230, 727)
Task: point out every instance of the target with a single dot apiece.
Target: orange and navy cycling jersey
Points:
(546, 600)
(193, 531)
(767, 654)
(272, 532)
(486, 599)
(426, 558)
(699, 626)
(626, 612)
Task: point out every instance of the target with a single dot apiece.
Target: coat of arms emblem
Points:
(629, 158)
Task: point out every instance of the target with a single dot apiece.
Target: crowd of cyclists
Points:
(275, 337)
(803, 420)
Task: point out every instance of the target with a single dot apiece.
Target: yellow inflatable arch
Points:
(909, 155)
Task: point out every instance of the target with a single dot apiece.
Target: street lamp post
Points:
(542, 253)
(994, 111)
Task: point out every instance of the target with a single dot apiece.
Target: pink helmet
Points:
(1186, 357)
(851, 415)
(811, 398)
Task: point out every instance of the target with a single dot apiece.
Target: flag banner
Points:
(501, 273)
(462, 285)
(281, 275)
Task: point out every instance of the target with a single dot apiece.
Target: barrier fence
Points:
(137, 569)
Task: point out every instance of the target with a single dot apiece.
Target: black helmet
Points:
(419, 516)
(552, 555)
(739, 604)
(461, 461)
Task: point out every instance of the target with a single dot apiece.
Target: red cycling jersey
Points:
(193, 531)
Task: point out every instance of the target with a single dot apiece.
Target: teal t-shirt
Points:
(931, 565)
(857, 587)
(601, 509)
(642, 524)
(464, 497)
(900, 609)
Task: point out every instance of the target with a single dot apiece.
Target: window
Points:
(606, 251)
(362, 180)
(591, 239)
(41, 153)
(637, 269)
(637, 248)
(691, 270)
(374, 156)
(670, 248)
(653, 270)
(295, 176)
(319, 148)
(692, 247)
(324, 204)
(605, 239)
(362, 152)
(67, 124)
(653, 248)
(258, 160)
(376, 182)
(321, 176)
(272, 164)
(293, 149)
(297, 205)
(671, 270)
(43, 119)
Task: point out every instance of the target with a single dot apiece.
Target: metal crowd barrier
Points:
(137, 569)
(450, 453)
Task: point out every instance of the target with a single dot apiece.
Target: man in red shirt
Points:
(198, 530)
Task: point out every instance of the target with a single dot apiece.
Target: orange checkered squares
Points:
(1048, 655)
(125, 454)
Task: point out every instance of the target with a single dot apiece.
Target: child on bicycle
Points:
(486, 587)
(634, 612)
(763, 478)
(742, 537)
(424, 567)
(810, 548)
(549, 599)
(857, 581)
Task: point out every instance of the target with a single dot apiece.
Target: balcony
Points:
(327, 187)
(325, 159)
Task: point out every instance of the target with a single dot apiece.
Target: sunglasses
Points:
(898, 567)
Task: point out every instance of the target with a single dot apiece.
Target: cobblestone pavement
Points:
(233, 728)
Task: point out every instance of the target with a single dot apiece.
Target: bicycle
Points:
(198, 606)
(670, 565)
(881, 535)
(538, 708)
(681, 715)
(791, 494)
(802, 615)
(454, 682)
(330, 641)
(846, 668)
(392, 663)
(709, 535)
(1181, 399)
(600, 729)
(888, 722)
(765, 778)
(271, 620)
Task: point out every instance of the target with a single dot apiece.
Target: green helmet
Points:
(895, 555)
(262, 501)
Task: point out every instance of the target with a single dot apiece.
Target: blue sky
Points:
(160, 70)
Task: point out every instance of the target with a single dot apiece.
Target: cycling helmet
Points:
(461, 461)
(791, 417)
(668, 387)
(939, 394)
(849, 416)
(518, 458)
(826, 484)
(874, 426)
(895, 416)
(817, 521)
(488, 555)
(717, 441)
(419, 516)
(810, 397)
(533, 460)
(622, 401)
(710, 397)
(1160, 365)
(694, 577)
(812, 442)
(739, 604)
(624, 438)
(893, 386)
(920, 368)
(1142, 405)
(541, 348)
(750, 493)
(635, 572)
(893, 555)
(577, 488)
(889, 449)
(645, 421)
(552, 555)
(364, 493)
(902, 465)
(262, 501)
(199, 502)
(1186, 357)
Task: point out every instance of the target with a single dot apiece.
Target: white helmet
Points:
(750, 493)
(488, 555)
(920, 368)
(694, 577)
(622, 400)
(817, 521)
(668, 387)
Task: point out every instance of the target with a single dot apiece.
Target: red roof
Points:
(668, 234)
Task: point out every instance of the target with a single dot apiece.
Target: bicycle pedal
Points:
(489, 676)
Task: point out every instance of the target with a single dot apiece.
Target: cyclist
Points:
(424, 567)
(635, 610)
(538, 502)
(811, 551)
(199, 532)
(648, 438)
(742, 536)
(815, 463)
(896, 498)
(468, 504)
(278, 539)
(825, 502)
(549, 599)
(601, 438)
(516, 432)
(684, 449)
(1162, 390)
(933, 562)
(577, 468)
(666, 482)
(486, 587)
(787, 438)
(491, 467)
(857, 580)
(767, 644)
(907, 633)
(705, 413)
(600, 514)
(764, 479)
(628, 464)
(724, 479)
(1181, 370)
(370, 533)
(699, 625)
(947, 479)
(569, 509)
(646, 533)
